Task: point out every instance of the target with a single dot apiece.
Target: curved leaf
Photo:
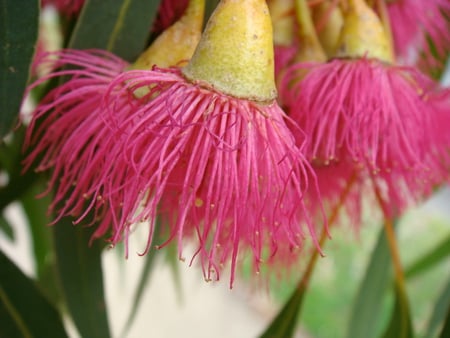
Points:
(438, 253)
(120, 26)
(18, 35)
(367, 307)
(445, 333)
(41, 237)
(439, 311)
(284, 324)
(80, 272)
(400, 325)
(29, 312)
(143, 282)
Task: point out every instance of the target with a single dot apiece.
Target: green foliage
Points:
(18, 35)
(120, 26)
(29, 313)
(80, 273)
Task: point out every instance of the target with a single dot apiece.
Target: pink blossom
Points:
(67, 132)
(220, 169)
(383, 119)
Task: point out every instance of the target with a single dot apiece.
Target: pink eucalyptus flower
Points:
(384, 118)
(224, 170)
(66, 131)
(414, 22)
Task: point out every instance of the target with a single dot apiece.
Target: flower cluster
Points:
(203, 142)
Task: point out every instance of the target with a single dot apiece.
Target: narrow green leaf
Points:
(80, 272)
(38, 220)
(18, 35)
(41, 236)
(120, 26)
(11, 163)
(366, 310)
(400, 325)
(439, 311)
(445, 333)
(284, 324)
(6, 228)
(31, 313)
(143, 282)
(438, 253)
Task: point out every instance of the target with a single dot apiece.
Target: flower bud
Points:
(363, 34)
(235, 54)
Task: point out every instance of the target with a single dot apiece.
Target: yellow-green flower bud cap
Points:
(177, 43)
(235, 54)
(363, 34)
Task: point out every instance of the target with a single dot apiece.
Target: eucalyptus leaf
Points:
(445, 332)
(283, 326)
(119, 26)
(400, 325)
(41, 236)
(6, 228)
(143, 282)
(22, 303)
(18, 35)
(440, 252)
(439, 312)
(366, 311)
(80, 272)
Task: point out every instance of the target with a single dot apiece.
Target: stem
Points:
(324, 235)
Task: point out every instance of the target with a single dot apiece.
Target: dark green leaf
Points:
(143, 282)
(438, 253)
(11, 162)
(400, 325)
(284, 324)
(6, 228)
(439, 311)
(445, 333)
(366, 310)
(38, 219)
(38, 222)
(18, 35)
(80, 273)
(120, 26)
(31, 314)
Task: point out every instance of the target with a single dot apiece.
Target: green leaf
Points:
(80, 272)
(400, 325)
(6, 228)
(439, 311)
(18, 35)
(284, 324)
(438, 253)
(445, 333)
(11, 162)
(366, 310)
(41, 236)
(143, 282)
(30, 312)
(119, 26)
